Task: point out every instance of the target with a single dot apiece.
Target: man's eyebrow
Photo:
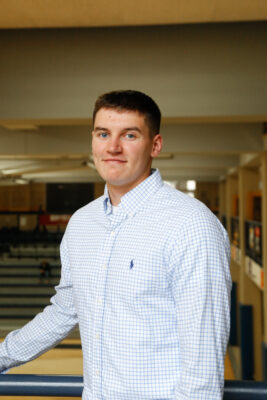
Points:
(99, 128)
(130, 128)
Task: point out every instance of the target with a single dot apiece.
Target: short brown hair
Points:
(131, 100)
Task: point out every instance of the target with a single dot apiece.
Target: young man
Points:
(144, 273)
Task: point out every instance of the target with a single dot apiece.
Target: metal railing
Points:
(41, 385)
(72, 386)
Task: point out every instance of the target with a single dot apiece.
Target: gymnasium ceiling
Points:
(205, 147)
(89, 13)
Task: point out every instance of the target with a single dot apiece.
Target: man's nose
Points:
(114, 145)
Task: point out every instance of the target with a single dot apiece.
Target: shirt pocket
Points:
(134, 276)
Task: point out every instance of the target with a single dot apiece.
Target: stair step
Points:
(14, 312)
(35, 256)
(26, 270)
(38, 247)
(24, 301)
(8, 325)
(27, 317)
(13, 323)
(24, 305)
(30, 262)
(27, 274)
(31, 296)
(24, 281)
(27, 289)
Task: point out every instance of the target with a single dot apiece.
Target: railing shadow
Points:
(72, 386)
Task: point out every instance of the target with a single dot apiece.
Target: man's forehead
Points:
(114, 115)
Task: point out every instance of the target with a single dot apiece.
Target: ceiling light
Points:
(191, 185)
(21, 181)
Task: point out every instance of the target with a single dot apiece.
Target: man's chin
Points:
(115, 182)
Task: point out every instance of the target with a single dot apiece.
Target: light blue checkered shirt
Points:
(149, 287)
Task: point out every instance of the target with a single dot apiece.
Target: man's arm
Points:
(201, 285)
(48, 328)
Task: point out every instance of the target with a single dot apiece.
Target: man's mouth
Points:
(114, 160)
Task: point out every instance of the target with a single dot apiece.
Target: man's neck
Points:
(117, 192)
(115, 197)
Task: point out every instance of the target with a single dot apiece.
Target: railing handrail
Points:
(72, 386)
(41, 385)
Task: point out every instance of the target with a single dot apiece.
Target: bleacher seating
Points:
(23, 291)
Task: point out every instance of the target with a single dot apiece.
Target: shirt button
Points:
(98, 336)
(104, 266)
(112, 233)
(97, 373)
(99, 300)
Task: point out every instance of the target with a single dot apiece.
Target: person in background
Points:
(145, 274)
(45, 273)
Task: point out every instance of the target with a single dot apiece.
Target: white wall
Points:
(191, 70)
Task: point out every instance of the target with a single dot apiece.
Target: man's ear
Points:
(157, 145)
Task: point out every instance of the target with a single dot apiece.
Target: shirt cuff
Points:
(5, 371)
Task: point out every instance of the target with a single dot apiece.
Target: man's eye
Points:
(130, 136)
(103, 135)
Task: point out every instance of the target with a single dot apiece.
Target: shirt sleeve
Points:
(48, 327)
(201, 285)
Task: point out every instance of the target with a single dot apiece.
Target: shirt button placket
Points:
(99, 310)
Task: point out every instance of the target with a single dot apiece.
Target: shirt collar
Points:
(135, 198)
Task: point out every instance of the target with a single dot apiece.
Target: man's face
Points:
(123, 148)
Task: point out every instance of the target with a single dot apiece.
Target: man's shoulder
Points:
(181, 210)
(190, 219)
(179, 203)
